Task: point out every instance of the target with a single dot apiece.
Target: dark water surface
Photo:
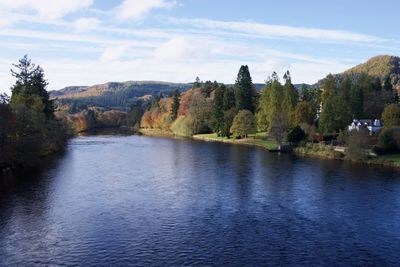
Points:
(131, 200)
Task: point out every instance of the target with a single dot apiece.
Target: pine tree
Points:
(336, 110)
(228, 99)
(206, 88)
(197, 83)
(356, 101)
(263, 107)
(175, 104)
(387, 85)
(30, 84)
(290, 98)
(244, 90)
(217, 120)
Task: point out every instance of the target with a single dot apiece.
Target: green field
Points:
(392, 157)
(253, 139)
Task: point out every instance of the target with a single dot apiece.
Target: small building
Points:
(373, 126)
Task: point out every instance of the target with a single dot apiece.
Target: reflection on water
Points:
(132, 200)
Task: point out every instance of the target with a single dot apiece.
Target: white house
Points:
(372, 125)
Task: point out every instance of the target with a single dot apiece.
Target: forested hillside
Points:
(111, 95)
(115, 95)
(385, 68)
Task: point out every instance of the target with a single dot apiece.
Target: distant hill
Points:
(113, 95)
(380, 66)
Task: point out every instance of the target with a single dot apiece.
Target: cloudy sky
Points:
(85, 42)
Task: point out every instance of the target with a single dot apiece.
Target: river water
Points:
(134, 200)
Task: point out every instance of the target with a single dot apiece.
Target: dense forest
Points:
(28, 129)
(280, 111)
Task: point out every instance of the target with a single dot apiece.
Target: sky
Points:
(86, 42)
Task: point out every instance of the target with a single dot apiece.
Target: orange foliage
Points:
(186, 100)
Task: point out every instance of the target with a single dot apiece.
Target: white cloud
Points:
(138, 9)
(86, 24)
(180, 48)
(77, 38)
(47, 9)
(278, 31)
(113, 53)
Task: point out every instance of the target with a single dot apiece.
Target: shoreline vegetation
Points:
(29, 131)
(320, 151)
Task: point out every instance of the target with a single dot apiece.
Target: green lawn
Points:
(392, 157)
(253, 139)
(268, 144)
(211, 136)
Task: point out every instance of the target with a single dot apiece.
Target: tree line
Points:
(282, 112)
(28, 129)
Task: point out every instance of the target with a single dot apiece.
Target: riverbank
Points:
(252, 140)
(157, 133)
(320, 151)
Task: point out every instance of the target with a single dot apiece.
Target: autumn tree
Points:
(36, 132)
(243, 123)
(391, 115)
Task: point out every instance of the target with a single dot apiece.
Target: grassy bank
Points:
(328, 152)
(254, 140)
(392, 160)
(156, 133)
(318, 151)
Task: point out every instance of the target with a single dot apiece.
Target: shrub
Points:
(358, 144)
(295, 135)
(388, 141)
(391, 115)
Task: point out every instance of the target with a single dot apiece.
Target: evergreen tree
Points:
(262, 115)
(290, 98)
(336, 110)
(244, 90)
(356, 101)
(206, 88)
(36, 133)
(197, 83)
(175, 104)
(30, 83)
(304, 113)
(327, 117)
(229, 99)
(387, 85)
(217, 121)
(229, 115)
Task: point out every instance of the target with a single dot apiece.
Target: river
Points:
(142, 201)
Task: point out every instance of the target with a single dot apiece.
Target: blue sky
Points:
(85, 42)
